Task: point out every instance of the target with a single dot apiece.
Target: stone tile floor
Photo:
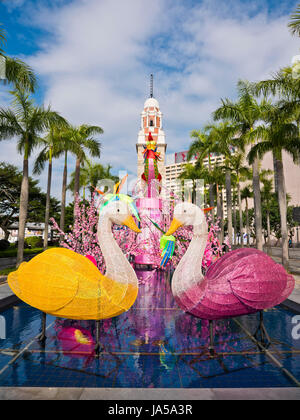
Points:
(295, 296)
(5, 291)
(127, 394)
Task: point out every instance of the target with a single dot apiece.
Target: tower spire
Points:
(151, 85)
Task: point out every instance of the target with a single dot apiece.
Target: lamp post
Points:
(2, 68)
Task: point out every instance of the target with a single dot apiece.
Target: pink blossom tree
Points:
(83, 238)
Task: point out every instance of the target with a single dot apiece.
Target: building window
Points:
(151, 123)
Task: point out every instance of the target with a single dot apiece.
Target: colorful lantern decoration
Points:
(167, 244)
(240, 282)
(65, 284)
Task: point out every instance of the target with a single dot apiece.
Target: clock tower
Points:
(151, 122)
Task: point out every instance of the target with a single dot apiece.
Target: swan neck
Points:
(117, 265)
(189, 269)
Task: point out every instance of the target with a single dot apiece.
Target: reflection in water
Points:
(154, 344)
(76, 341)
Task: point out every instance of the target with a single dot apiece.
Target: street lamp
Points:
(2, 68)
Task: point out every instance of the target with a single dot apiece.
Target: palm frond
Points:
(228, 111)
(20, 74)
(294, 24)
(9, 124)
(2, 39)
(93, 146)
(92, 130)
(259, 150)
(40, 161)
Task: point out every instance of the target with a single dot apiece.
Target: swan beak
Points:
(129, 222)
(174, 226)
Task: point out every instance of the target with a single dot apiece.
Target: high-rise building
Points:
(175, 165)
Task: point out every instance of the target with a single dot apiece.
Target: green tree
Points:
(68, 145)
(219, 177)
(242, 173)
(201, 148)
(10, 181)
(267, 195)
(285, 87)
(246, 194)
(277, 135)
(53, 146)
(25, 121)
(17, 72)
(222, 140)
(244, 114)
(83, 139)
(90, 174)
(294, 23)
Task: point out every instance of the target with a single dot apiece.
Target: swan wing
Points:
(256, 280)
(50, 280)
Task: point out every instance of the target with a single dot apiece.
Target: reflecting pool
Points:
(153, 345)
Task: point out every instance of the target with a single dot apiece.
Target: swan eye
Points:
(118, 210)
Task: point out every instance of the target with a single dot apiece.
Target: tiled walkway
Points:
(295, 296)
(127, 394)
(5, 291)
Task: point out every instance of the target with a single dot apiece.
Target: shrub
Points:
(26, 246)
(4, 244)
(53, 243)
(34, 241)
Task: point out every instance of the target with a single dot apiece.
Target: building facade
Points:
(175, 165)
(31, 229)
(151, 122)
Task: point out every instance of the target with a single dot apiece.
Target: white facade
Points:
(151, 121)
(174, 170)
(31, 229)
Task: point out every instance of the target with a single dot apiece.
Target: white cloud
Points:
(96, 59)
(13, 4)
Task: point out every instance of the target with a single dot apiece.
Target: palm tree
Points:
(197, 172)
(246, 193)
(83, 138)
(25, 121)
(267, 195)
(278, 135)
(202, 147)
(2, 39)
(234, 201)
(222, 136)
(20, 74)
(244, 114)
(68, 145)
(285, 86)
(52, 147)
(216, 178)
(90, 174)
(17, 72)
(294, 24)
(242, 173)
(190, 173)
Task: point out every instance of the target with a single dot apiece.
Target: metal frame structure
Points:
(42, 337)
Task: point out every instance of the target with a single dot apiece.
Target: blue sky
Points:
(94, 57)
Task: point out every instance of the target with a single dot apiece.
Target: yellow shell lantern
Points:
(65, 284)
